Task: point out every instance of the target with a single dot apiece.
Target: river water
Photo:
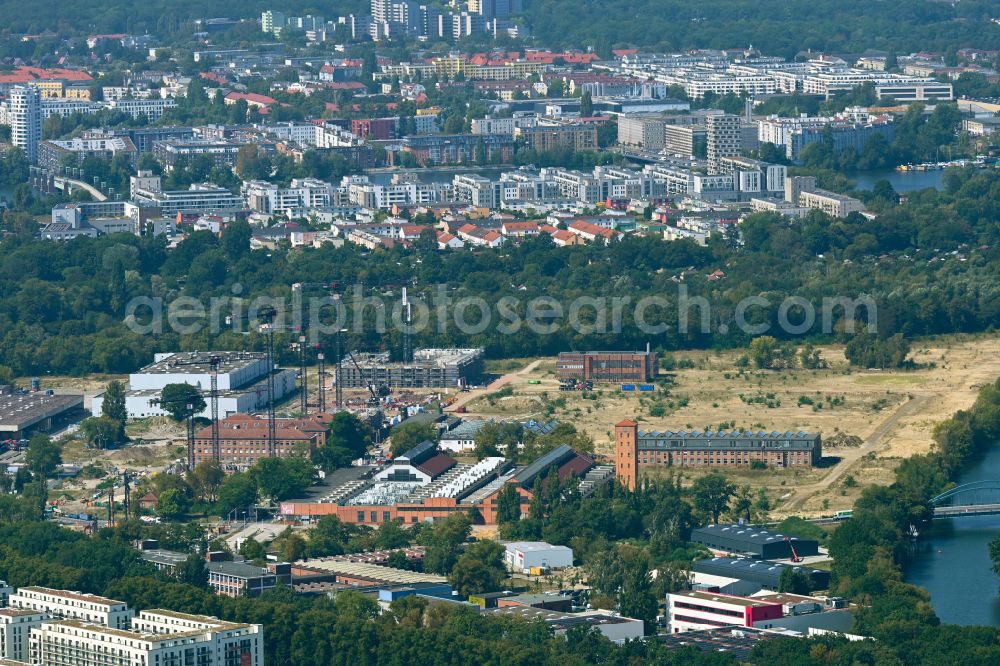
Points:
(902, 181)
(952, 562)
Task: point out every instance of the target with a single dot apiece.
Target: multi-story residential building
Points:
(641, 131)
(715, 449)
(243, 439)
(723, 138)
(54, 153)
(15, 628)
(172, 152)
(459, 148)
(377, 129)
(70, 605)
(494, 126)
(159, 637)
(199, 198)
(831, 203)
(476, 190)
(577, 136)
(850, 130)
(25, 118)
(302, 194)
(685, 140)
(153, 109)
(401, 191)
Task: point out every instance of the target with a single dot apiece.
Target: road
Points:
(466, 398)
(851, 456)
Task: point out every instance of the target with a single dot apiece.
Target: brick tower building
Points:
(627, 453)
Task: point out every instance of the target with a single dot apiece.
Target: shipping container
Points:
(534, 381)
(646, 387)
(628, 387)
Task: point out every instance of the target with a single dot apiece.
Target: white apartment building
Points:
(642, 131)
(334, 136)
(494, 126)
(153, 109)
(15, 629)
(476, 190)
(25, 118)
(362, 192)
(301, 194)
(297, 132)
(196, 199)
(831, 203)
(70, 605)
(160, 637)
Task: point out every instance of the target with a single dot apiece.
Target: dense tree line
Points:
(773, 27)
(63, 305)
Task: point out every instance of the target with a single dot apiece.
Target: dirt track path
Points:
(852, 456)
(498, 384)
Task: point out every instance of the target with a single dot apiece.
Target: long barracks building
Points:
(710, 449)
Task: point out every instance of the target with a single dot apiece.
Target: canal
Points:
(952, 561)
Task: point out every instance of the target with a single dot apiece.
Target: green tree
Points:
(281, 478)
(636, 598)
(192, 571)
(444, 540)
(181, 401)
(762, 351)
(172, 504)
(712, 493)
(113, 407)
(253, 550)
(586, 105)
(43, 456)
(100, 432)
(794, 582)
(349, 439)
(409, 434)
(237, 493)
(294, 548)
(479, 569)
(508, 504)
(205, 479)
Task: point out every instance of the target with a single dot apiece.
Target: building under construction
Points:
(430, 368)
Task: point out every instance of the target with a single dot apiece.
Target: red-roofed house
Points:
(591, 232)
(253, 100)
(562, 238)
(520, 229)
(447, 241)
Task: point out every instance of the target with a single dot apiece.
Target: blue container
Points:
(646, 387)
(628, 387)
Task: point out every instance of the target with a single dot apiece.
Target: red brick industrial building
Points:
(710, 449)
(243, 438)
(607, 366)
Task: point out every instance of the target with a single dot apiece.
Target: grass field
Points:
(892, 412)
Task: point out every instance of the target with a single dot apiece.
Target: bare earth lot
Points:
(892, 412)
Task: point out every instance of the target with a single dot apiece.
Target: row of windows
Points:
(707, 609)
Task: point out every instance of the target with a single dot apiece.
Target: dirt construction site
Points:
(869, 419)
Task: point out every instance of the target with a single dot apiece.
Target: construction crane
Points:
(320, 356)
(375, 401)
(214, 363)
(795, 556)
